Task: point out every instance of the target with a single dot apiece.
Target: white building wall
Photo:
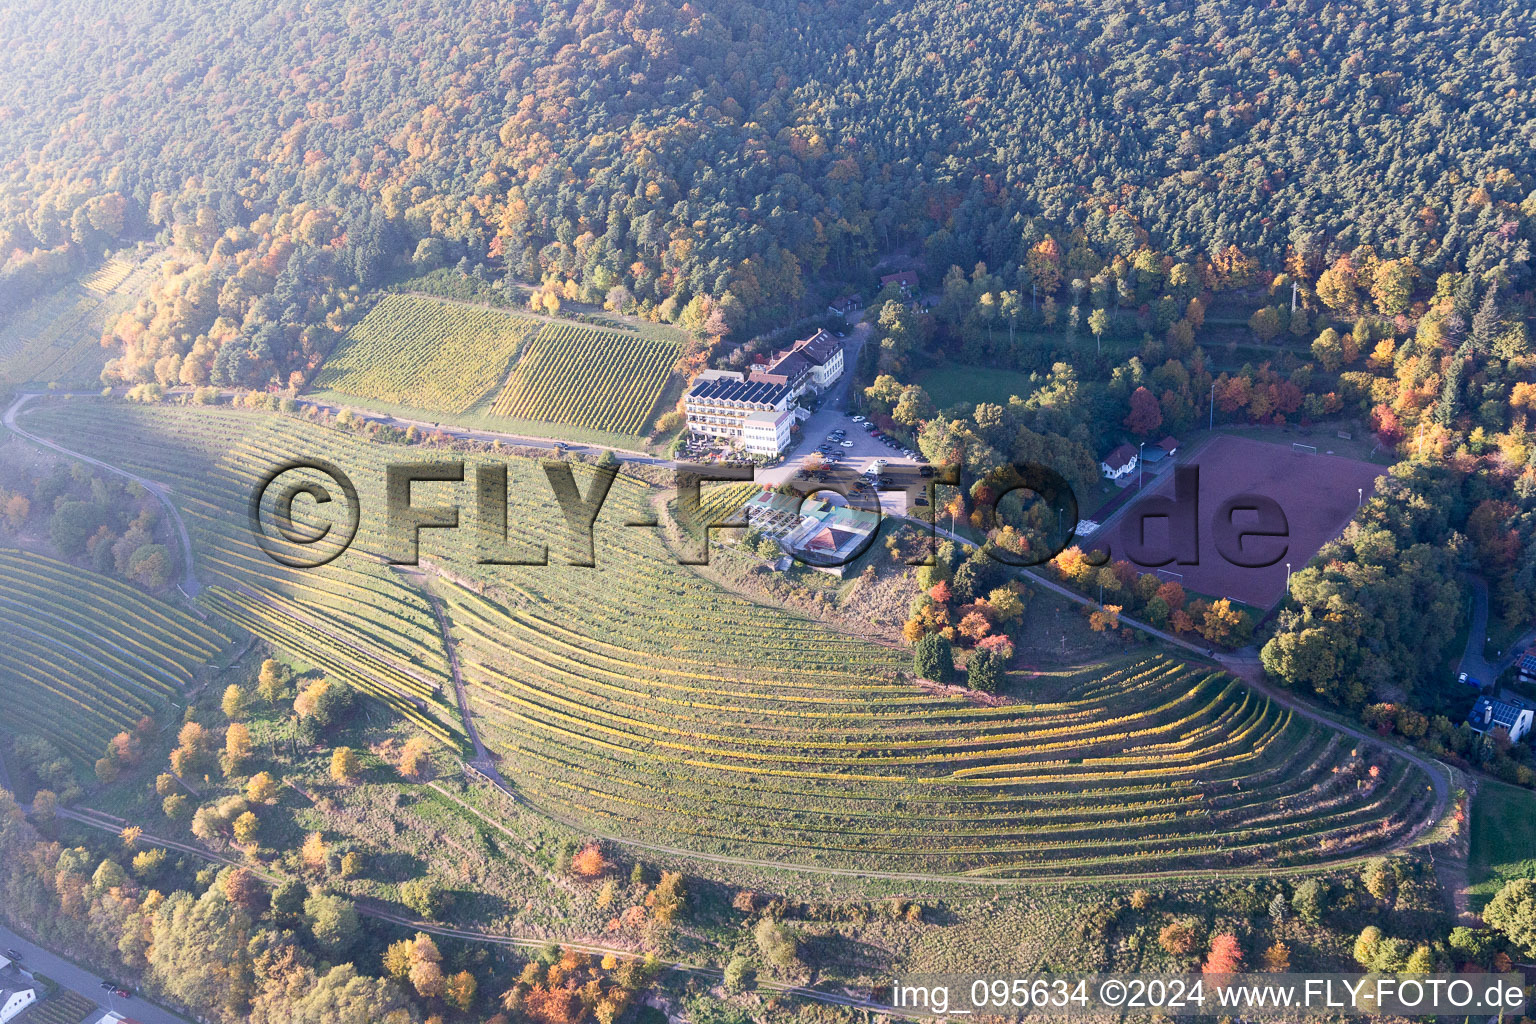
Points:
(19, 1001)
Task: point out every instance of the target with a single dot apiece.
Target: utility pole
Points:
(1141, 466)
(1211, 408)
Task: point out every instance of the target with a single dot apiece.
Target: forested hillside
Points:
(731, 155)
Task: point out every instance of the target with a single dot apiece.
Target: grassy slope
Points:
(958, 383)
(1503, 838)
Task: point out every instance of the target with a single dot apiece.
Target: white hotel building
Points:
(753, 414)
(754, 410)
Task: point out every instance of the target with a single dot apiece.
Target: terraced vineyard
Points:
(1147, 765)
(648, 703)
(83, 657)
(109, 276)
(591, 378)
(355, 618)
(425, 353)
(57, 338)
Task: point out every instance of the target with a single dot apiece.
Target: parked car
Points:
(921, 500)
(925, 471)
(847, 444)
(11, 954)
(858, 419)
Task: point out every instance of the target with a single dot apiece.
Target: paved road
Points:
(833, 415)
(1473, 662)
(35, 958)
(486, 436)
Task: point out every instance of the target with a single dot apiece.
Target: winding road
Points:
(1243, 664)
(189, 585)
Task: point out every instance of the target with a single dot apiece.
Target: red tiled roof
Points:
(1120, 457)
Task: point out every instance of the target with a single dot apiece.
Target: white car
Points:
(858, 419)
(846, 444)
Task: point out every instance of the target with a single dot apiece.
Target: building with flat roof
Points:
(719, 404)
(767, 432)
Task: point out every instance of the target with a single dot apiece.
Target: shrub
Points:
(932, 658)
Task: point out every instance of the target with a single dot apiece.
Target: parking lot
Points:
(845, 446)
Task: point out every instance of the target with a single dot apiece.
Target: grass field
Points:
(958, 383)
(588, 378)
(83, 657)
(423, 352)
(644, 701)
(1503, 839)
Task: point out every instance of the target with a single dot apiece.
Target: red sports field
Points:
(1317, 494)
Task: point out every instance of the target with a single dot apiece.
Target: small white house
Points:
(1490, 715)
(14, 1000)
(1118, 462)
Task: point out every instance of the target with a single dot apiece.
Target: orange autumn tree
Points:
(589, 862)
(1106, 619)
(1225, 957)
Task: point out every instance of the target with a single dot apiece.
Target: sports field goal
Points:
(1310, 449)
